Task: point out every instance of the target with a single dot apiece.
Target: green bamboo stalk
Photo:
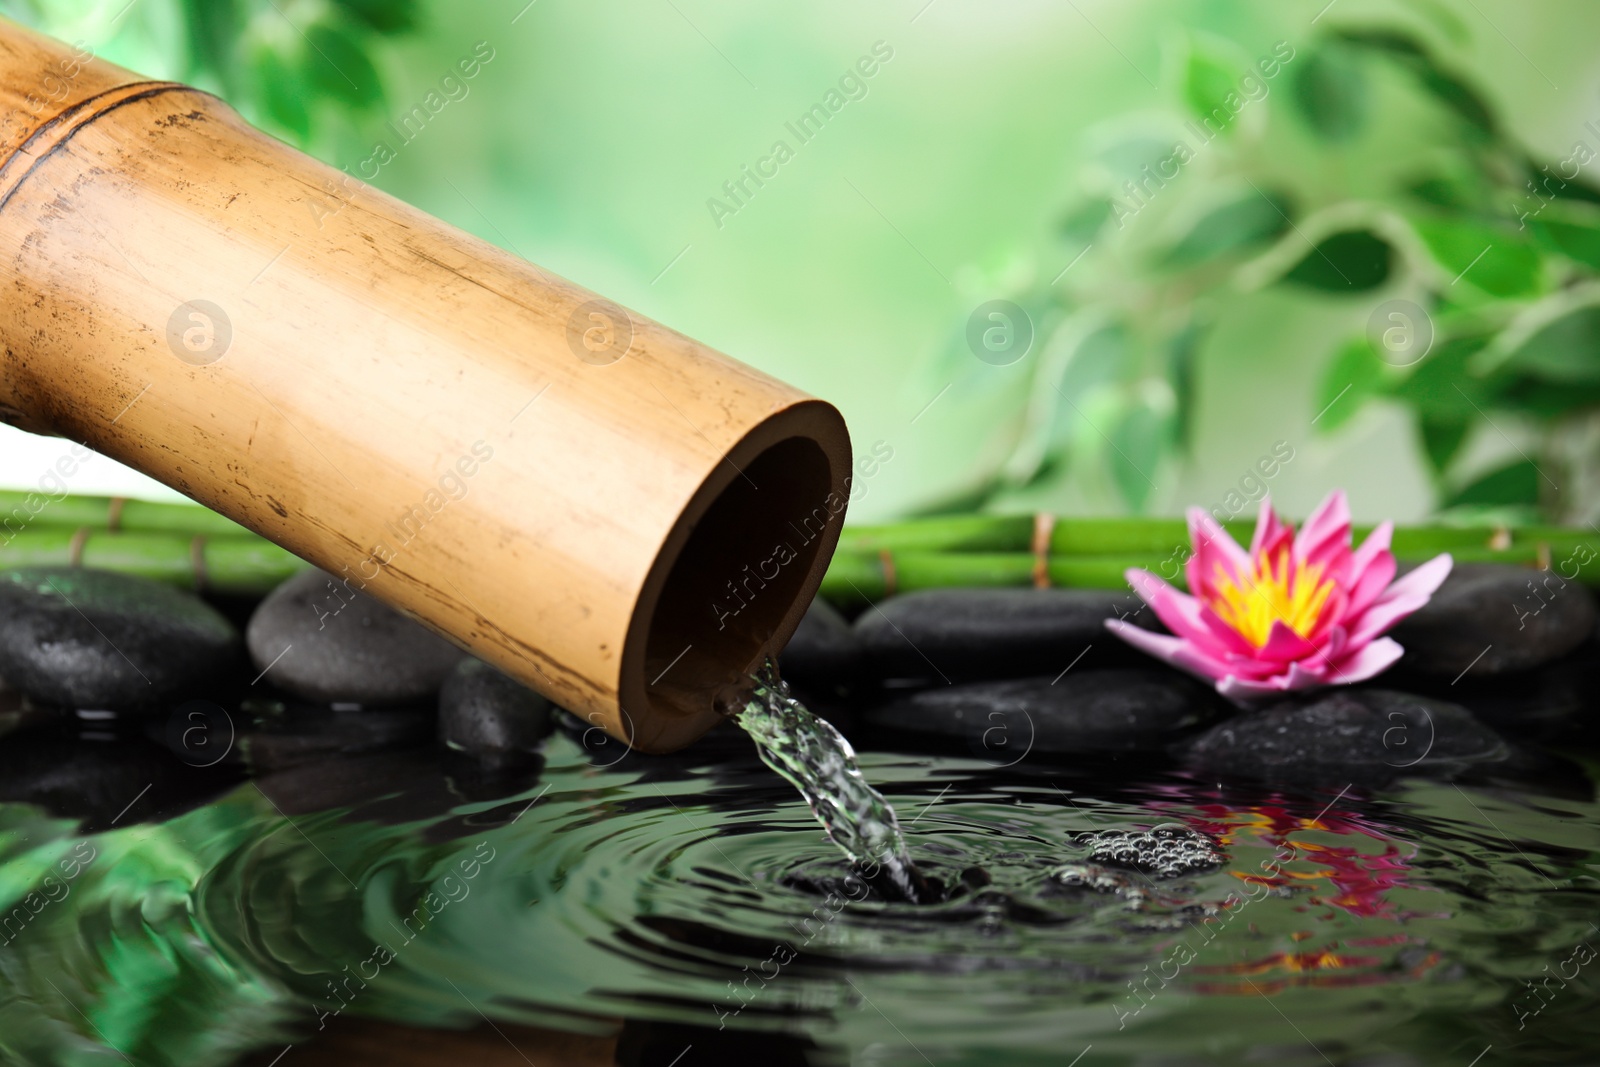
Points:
(157, 540)
(1131, 537)
(857, 578)
(22, 509)
(246, 565)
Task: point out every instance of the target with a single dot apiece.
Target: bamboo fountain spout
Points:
(624, 519)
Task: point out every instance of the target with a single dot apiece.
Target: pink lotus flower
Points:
(1292, 613)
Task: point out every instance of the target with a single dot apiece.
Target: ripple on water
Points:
(1193, 919)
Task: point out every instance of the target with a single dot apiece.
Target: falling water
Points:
(817, 759)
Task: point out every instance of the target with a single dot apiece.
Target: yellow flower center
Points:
(1269, 591)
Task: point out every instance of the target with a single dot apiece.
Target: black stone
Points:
(84, 638)
(1111, 710)
(1351, 736)
(1485, 617)
(275, 734)
(953, 635)
(1552, 703)
(345, 647)
(418, 787)
(824, 652)
(482, 711)
(107, 779)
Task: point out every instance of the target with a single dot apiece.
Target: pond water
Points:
(1105, 913)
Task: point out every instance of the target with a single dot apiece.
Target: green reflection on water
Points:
(675, 890)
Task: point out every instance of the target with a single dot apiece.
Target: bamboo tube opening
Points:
(748, 565)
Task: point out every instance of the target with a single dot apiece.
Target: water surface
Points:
(1336, 926)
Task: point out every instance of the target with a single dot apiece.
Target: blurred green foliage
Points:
(1503, 250)
(1495, 249)
(285, 64)
(1187, 308)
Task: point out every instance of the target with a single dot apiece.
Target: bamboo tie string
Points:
(1044, 524)
(888, 572)
(197, 561)
(75, 546)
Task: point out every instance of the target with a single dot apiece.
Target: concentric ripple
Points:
(1166, 921)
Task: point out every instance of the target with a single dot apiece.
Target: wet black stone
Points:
(968, 634)
(1111, 710)
(482, 711)
(407, 787)
(273, 735)
(1487, 618)
(1351, 736)
(345, 647)
(105, 778)
(84, 638)
(824, 651)
(1550, 703)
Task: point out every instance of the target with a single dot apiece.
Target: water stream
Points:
(818, 761)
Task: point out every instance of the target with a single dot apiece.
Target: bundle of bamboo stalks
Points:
(873, 562)
(184, 544)
(191, 546)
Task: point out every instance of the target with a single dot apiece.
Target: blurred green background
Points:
(1184, 328)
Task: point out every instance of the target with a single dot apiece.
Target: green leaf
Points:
(1082, 224)
(1181, 357)
(1515, 483)
(1096, 361)
(1448, 88)
(1445, 19)
(1130, 156)
(385, 16)
(1549, 400)
(1579, 190)
(1442, 439)
(1329, 89)
(1091, 371)
(1441, 387)
(1565, 350)
(1577, 241)
(1208, 81)
(1252, 219)
(339, 68)
(1574, 188)
(283, 95)
(1461, 98)
(1392, 42)
(1491, 260)
(1353, 261)
(1139, 441)
(1441, 191)
(1354, 373)
(213, 30)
